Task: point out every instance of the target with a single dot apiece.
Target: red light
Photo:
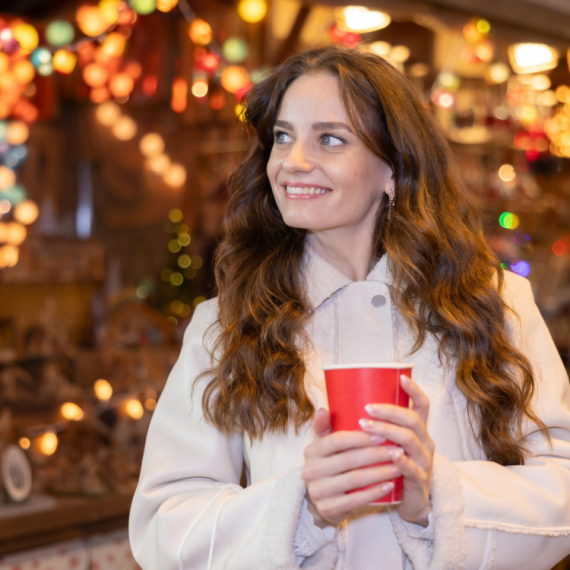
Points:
(532, 155)
(210, 62)
(149, 85)
(559, 248)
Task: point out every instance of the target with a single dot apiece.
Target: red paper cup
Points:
(351, 386)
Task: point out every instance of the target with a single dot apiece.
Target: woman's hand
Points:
(415, 458)
(336, 463)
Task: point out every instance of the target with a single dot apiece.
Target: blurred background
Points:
(119, 124)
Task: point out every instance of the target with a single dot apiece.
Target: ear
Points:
(389, 184)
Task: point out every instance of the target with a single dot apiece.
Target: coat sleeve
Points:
(490, 517)
(189, 511)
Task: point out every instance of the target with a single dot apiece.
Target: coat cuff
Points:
(282, 528)
(448, 550)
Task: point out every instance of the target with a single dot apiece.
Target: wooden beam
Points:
(288, 45)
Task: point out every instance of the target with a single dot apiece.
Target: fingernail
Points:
(387, 487)
(377, 439)
(373, 408)
(364, 423)
(395, 453)
(404, 379)
(395, 471)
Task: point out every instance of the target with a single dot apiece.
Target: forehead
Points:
(315, 96)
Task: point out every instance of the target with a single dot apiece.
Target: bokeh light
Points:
(234, 77)
(151, 144)
(26, 35)
(559, 248)
(26, 212)
(59, 33)
(47, 443)
(143, 7)
(252, 10)
(64, 61)
(166, 5)
(90, 20)
(235, 50)
(95, 74)
(134, 409)
(532, 57)
(7, 178)
(159, 163)
(108, 113)
(121, 85)
(71, 411)
(175, 175)
(200, 32)
(200, 88)
(125, 128)
(507, 173)
(521, 268)
(103, 389)
(509, 221)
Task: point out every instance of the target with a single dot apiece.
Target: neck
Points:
(350, 254)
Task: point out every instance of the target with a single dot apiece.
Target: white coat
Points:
(190, 513)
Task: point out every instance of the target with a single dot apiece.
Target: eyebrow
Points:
(320, 126)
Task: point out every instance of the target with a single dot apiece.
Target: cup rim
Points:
(397, 365)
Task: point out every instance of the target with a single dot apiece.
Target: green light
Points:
(59, 33)
(483, 27)
(143, 7)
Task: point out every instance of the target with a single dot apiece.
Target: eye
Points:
(332, 140)
(280, 137)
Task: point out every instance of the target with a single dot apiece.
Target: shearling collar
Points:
(323, 280)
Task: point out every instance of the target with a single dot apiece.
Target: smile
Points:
(307, 190)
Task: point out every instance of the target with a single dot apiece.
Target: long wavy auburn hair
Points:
(446, 280)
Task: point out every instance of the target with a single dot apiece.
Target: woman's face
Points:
(323, 177)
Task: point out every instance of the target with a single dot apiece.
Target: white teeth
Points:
(305, 190)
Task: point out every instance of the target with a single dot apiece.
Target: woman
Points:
(349, 238)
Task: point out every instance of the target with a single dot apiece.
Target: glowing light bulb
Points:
(26, 35)
(95, 75)
(360, 19)
(234, 77)
(90, 21)
(18, 133)
(24, 443)
(64, 61)
(134, 409)
(114, 44)
(200, 32)
(532, 58)
(235, 50)
(151, 144)
(47, 443)
(166, 5)
(59, 33)
(103, 389)
(71, 411)
(125, 128)
(9, 256)
(121, 84)
(159, 163)
(26, 212)
(200, 88)
(252, 10)
(108, 113)
(143, 7)
(507, 173)
(24, 71)
(7, 178)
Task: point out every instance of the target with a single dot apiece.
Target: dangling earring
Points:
(391, 200)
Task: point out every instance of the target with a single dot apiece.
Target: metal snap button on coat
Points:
(378, 301)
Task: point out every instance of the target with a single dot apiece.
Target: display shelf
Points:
(47, 519)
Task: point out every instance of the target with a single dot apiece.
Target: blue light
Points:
(521, 268)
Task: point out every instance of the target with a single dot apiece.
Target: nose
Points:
(297, 160)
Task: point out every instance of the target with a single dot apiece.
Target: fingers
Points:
(346, 461)
(330, 487)
(420, 402)
(322, 423)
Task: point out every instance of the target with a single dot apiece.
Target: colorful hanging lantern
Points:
(109, 10)
(235, 50)
(234, 78)
(59, 33)
(8, 42)
(200, 32)
(252, 10)
(24, 71)
(26, 35)
(64, 61)
(114, 44)
(91, 21)
(95, 75)
(166, 5)
(121, 85)
(143, 7)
